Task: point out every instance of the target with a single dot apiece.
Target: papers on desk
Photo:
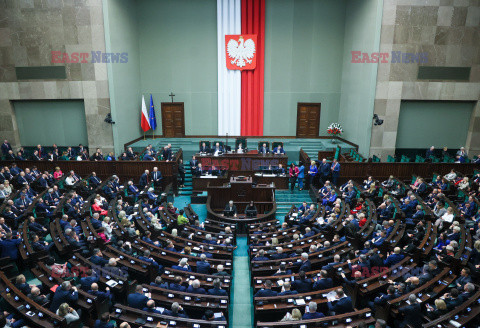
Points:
(160, 309)
(258, 174)
(208, 176)
(300, 302)
(269, 175)
(295, 214)
(111, 283)
(217, 315)
(330, 296)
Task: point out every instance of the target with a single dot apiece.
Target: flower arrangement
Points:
(335, 129)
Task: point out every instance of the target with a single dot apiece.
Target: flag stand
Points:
(143, 135)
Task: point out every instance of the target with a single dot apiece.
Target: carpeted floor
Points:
(241, 306)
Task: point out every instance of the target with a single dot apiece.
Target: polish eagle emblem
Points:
(241, 53)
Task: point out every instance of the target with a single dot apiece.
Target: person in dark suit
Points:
(231, 208)
(394, 258)
(193, 163)
(411, 313)
(176, 285)
(131, 156)
(167, 153)
(210, 316)
(181, 172)
(151, 307)
(137, 300)
(10, 156)
(324, 282)
(6, 147)
(64, 293)
(214, 171)
(263, 149)
(217, 149)
(335, 168)
(94, 181)
(9, 246)
(286, 289)
(312, 312)
(204, 148)
(463, 279)
(132, 190)
(159, 283)
(156, 177)
(101, 296)
(198, 170)
(144, 180)
(195, 288)
(104, 321)
(303, 265)
(176, 311)
(97, 258)
(203, 266)
(278, 150)
(343, 303)
(302, 284)
(430, 153)
(87, 281)
(217, 289)
(267, 290)
(148, 156)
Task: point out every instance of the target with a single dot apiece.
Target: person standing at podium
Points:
(293, 174)
(231, 209)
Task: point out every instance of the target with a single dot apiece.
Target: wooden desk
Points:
(243, 162)
(200, 183)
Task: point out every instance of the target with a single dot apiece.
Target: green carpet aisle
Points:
(241, 298)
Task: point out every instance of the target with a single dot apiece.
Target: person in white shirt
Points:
(240, 149)
(70, 180)
(451, 176)
(447, 217)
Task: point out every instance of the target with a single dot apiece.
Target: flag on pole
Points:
(152, 119)
(145, 121)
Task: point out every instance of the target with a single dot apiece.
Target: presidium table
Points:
(234, 165)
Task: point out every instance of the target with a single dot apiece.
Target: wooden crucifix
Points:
(171, 95)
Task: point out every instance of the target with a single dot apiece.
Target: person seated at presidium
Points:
(251, 210)
(230, 209)
(240, 149)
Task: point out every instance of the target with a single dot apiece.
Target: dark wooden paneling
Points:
(308, 120)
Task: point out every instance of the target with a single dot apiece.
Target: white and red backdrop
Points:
(241, 53)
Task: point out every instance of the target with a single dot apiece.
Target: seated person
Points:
(278, 150)
(280, 170)
(204, 148)
(230, 209)
(311, 312)
(217, 149)
(240, 149)
(251, 210)
(176, 311)
(263, 149)
(267, 290)
(210, 316)
(214, 171)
